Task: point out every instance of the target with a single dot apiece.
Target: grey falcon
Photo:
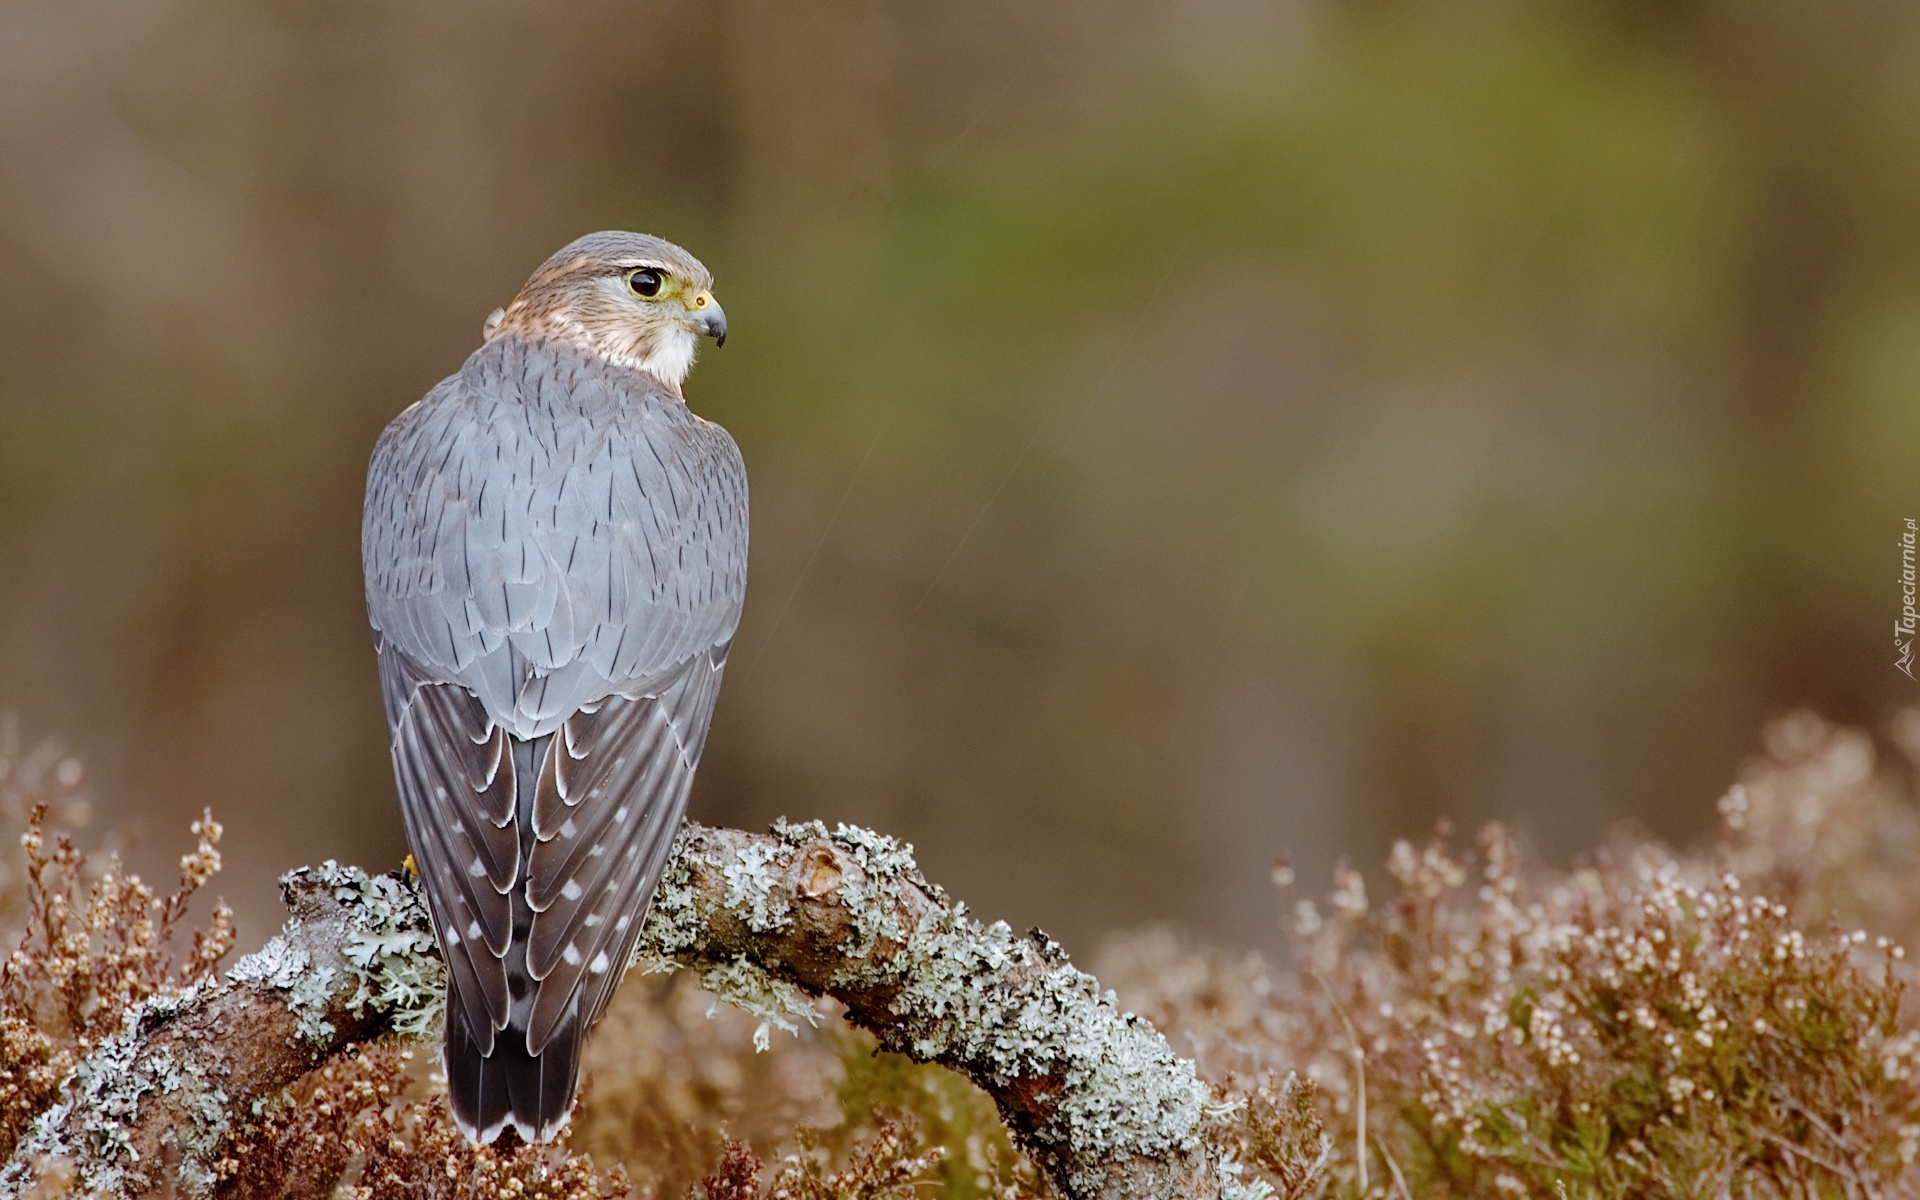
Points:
(556, 555)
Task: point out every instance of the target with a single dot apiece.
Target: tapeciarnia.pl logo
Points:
(1904, 627)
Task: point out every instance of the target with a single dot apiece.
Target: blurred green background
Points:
(1181, 431)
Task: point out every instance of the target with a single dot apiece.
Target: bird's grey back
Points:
(549, 529)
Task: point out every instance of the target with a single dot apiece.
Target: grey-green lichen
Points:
(1233, 1185)
(882, 861)
(774, 1001)
(390, 955)
(1095, 1092)
(386, 945)
(90, 1128)
(762, 902)
(285, 966)
(1004, 1008)
(751, 891)
(377, 939)
(672, 928)
(1123, 1089)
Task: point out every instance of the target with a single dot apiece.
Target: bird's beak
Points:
(708, 318)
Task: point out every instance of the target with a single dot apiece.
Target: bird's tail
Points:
(510, 1086)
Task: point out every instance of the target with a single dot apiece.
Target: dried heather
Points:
(950, 1125)
(1643, 1025)
(371, 1126)
(735, 1177)
(1830, 829)
(671, 1075)
(45, 776)
(674, 1080)
(95, 943)
(883, 1166)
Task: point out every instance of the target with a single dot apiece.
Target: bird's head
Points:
(636, 299)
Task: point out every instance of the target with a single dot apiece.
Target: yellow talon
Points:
(409, 867)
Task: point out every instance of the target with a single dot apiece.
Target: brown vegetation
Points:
(92, 942)
(1731, 1022)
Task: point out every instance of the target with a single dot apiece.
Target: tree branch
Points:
(1095, 1095)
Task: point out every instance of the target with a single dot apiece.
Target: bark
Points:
(1095, 1095)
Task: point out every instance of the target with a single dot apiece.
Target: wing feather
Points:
(602, 823)
(479, 978)
(604, 804)
(485, 851)
(577, 992)
(449, 859)
(454, 784)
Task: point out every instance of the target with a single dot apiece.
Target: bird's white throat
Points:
(668, 357)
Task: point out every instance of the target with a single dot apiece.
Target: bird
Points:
(555, 550)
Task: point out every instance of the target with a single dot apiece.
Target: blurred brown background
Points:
(1180, 430)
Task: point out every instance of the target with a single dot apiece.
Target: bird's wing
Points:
(608, 802)
(458, 800)
(550, 530)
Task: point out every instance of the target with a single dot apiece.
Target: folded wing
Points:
(458, 800)
(608, 803)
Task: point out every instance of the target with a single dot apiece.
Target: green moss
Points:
(951, 1112)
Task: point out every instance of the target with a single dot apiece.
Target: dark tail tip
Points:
(532, 1093)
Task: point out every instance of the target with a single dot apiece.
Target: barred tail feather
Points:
(476, 1087)
(506, 1084)
(531, 1092)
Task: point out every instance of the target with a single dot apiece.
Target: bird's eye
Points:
(645, 282)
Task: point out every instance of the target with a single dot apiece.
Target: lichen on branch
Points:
(1093, 1094)
(157, 1104)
